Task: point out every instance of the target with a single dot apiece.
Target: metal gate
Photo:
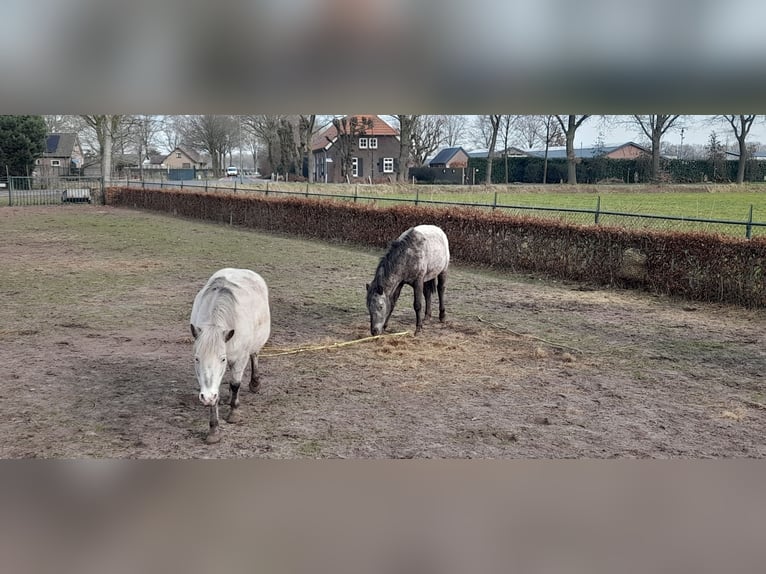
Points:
(22, 191)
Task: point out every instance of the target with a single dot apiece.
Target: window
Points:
(55, 163)
(388, 165)
(362, 143)
(373, 142)
(178, 155)
(355, 166)
(185, 165)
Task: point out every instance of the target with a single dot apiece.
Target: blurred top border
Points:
(590, 56)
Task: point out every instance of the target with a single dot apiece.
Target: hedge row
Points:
(694, 266)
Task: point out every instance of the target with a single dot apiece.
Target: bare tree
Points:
(349, 129)
(654, 127)
(494, 122)
(531, 130)
(306, 129)
(105, 128)
(266, 129)
(145, 129)
(427, 133)
(64, 124)
(211, 133)
(407, 125)
(507, 127)
(170, 132)
(553, 136)
(741, 125)
(481, 131)
(569, 127)
(453, 130)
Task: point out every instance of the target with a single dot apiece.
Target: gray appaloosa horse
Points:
(418, 257)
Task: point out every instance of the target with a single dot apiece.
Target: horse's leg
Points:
(255, 379)
(237, 370)
(214, 434)
(417, 286)
(428, 289)
(441, 283)
(394, 298)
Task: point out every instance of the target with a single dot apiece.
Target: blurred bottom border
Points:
(382, 516)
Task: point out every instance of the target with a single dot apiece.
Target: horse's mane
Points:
(388, 262)
(224, 306)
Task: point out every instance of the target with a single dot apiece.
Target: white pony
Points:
(230, 322)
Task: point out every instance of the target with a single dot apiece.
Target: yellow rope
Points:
(269, 352)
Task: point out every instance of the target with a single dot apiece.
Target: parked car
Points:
(232, 171)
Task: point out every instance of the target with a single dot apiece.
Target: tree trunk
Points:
(742, 157)
(656, 135)
(495, 120)
(405, 137)
(571, 161)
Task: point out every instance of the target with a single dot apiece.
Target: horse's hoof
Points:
(255, 386)
(213, 437)
(442, 317)
(234, 416)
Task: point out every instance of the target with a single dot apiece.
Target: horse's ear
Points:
(195, 332)
(228, 335)
(379, 289)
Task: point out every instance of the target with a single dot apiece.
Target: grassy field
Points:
(697, 201)
(97, 358)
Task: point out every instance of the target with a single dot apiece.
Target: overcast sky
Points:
(696, 131)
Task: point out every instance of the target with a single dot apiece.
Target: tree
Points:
(144, 131)
(716, 154)
(22, 141)
(570, 129)
(427, 134)
(741, 125)
(406, 128)
(349, 129)
(507, 126)
(654, 127)
(531, 130)
(494, 122)
(453, 130)
(63, 124)
(105, 128)
(553, 136)
(211, 133)
(306, 130)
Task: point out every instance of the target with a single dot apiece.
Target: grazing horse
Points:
(230, 322)
(418, 257)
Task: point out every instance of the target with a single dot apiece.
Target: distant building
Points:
(62, 156)
(450, 157)
(374, 153)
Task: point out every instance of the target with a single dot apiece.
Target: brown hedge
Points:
(691, 265)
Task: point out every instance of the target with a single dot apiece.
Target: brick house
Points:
(183, 157)
(62, 156)
(374, 153)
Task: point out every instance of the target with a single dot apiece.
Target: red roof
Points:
(329, 133)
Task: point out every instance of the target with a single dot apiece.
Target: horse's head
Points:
(379, 305)
(210, 360)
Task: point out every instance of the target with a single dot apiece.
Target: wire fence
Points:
(20, 191)
(746, 227)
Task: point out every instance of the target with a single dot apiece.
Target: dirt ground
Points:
(96, 355)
